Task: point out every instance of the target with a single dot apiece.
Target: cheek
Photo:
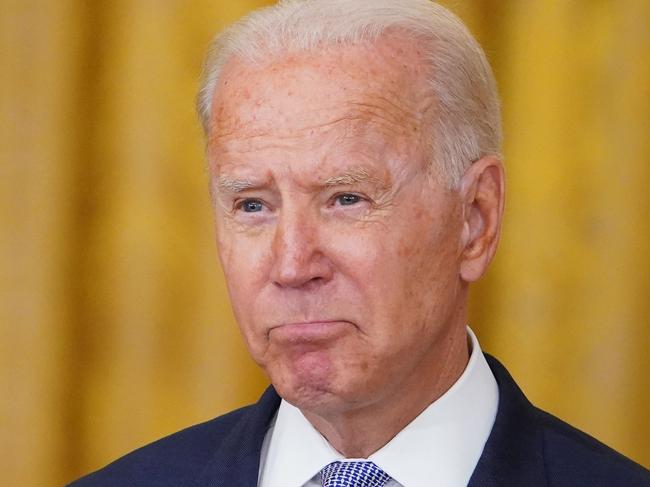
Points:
(434, 274)
(419, 267)
(244, 260)
(372, 273)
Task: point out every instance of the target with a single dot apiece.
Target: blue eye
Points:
(251, 206)
(348, 199)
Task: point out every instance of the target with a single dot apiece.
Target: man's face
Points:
(341, 254)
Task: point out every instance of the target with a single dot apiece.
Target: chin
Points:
(309, 383)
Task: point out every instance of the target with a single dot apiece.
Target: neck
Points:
(355, 432)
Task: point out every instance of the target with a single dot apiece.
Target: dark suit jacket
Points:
(527, 447)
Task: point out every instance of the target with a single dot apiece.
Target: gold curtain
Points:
(115, 327)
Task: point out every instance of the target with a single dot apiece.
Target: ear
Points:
(483, 196)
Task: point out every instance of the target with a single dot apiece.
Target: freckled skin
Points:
(385, 270)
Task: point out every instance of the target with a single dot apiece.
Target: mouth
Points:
(309, 331)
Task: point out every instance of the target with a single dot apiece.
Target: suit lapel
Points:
(513, 454)
(237, 460)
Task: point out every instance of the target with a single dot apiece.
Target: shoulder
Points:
(179, 459)
(572, 458)
(177, 456)
(529, 446)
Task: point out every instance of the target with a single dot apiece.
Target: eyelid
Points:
(238, 203)
(361, 196)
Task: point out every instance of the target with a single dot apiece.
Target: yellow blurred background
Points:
(115, 327)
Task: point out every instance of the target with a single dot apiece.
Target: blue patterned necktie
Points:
(353, 474)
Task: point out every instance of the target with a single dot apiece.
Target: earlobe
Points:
(482, 193)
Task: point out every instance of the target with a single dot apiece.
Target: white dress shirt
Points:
(440, 447)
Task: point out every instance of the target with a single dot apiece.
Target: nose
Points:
(298, 257)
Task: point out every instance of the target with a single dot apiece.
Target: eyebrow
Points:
(357, 175)
(232, 185)
(227, 184)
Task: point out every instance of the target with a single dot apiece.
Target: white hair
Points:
(467, 120)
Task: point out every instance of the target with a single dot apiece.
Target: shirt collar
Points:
(441, 446)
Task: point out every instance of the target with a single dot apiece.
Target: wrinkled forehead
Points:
(383, 82)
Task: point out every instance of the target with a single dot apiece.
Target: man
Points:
(353, 149)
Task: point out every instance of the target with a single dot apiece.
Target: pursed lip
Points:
(309, 331)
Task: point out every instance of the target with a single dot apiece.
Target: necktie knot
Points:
(353, 474)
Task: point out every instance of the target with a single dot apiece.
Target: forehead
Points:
(382, 84)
